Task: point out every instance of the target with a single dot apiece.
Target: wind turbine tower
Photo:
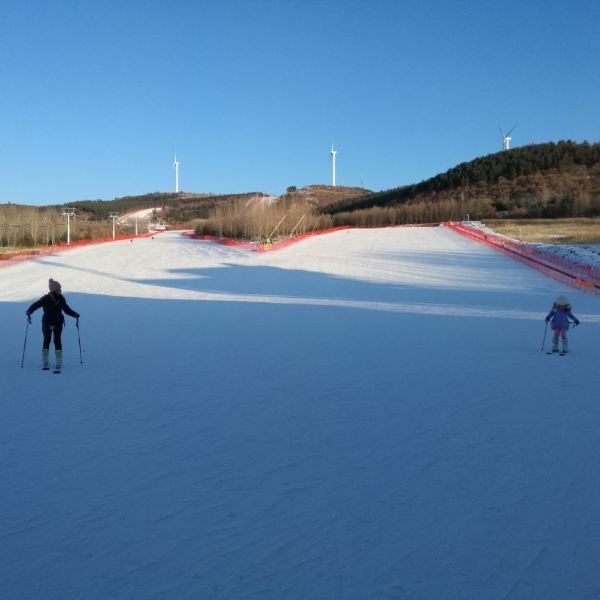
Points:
(333, 153)
(506, 138)
(176, 165)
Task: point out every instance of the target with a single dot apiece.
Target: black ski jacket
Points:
(53, 305)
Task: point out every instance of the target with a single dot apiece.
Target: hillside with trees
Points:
(544, 181)
(100, 209)
(294, 213)
(541, 181)
(24, 226)
(548, 181)
(323, 195)
(187, 209)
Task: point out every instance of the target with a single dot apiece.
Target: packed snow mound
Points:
(365, 414)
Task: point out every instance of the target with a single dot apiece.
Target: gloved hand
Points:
(547, 319)
(28, 318)
(576, 322)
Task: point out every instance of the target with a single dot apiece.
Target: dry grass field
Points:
(8, 251)
(549, 231)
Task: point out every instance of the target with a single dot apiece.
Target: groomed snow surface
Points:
(362, 415)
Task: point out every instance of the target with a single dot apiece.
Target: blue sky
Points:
(97, 97)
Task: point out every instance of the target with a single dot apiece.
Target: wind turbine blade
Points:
(511, 129)
(501, 132)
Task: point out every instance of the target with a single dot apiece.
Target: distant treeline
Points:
(177, 207)
(186, 209)
(483, 173)
(282, 219)
(549, 195)
(547, 180)
(29, 226)
(261, 222)
(416, 213)
(100, 209)
(554, 180)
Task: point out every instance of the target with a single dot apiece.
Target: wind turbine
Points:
(333, 153)
(176, 165)
(506, 138)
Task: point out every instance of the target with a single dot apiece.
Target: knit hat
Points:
(53, 286)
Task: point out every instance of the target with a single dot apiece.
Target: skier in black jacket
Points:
(53, 304)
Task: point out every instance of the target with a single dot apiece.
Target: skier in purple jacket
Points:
(561, 317)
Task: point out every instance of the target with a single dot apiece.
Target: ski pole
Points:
(25, 342)
(79, 340)
(544, 340)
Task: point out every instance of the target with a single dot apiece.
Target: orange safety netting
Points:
(567, 270)
(44, 251)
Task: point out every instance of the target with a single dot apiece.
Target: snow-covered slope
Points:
(144, 213)
(362, 415)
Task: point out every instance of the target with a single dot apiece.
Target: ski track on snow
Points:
(365, 414)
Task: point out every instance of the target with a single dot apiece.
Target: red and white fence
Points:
(570, 271)
(46, 250)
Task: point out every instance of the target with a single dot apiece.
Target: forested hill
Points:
(545, 169)
(179, 205)
(100, 209)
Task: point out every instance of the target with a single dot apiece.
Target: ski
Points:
(45, 368)
(56, 371)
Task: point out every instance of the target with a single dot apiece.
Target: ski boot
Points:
(58, 355)
(45, 353)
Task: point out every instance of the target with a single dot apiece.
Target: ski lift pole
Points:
(298, 223)
(276, 228)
